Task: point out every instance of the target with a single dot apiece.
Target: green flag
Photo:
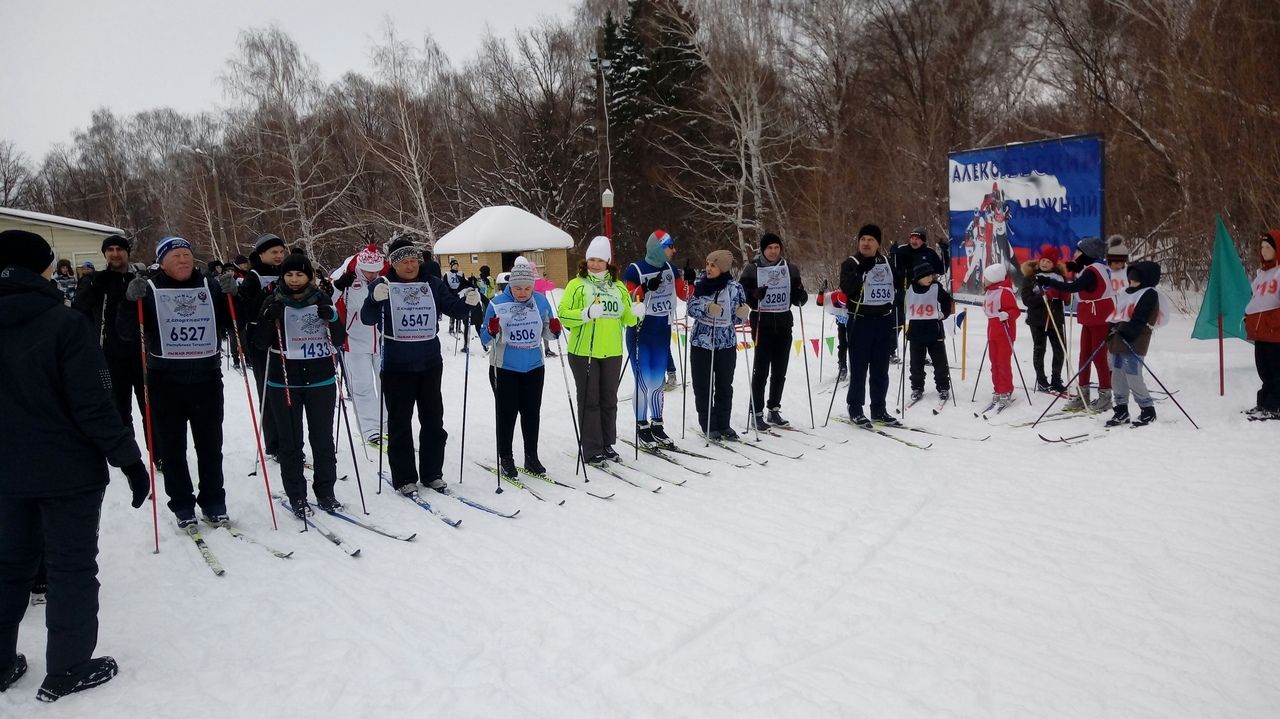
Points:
(1228, 291)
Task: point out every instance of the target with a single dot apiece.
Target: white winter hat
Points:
(994, 274)
(599, 249)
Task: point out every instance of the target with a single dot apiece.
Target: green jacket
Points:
(602, 337)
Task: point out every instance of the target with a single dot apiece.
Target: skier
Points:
(595, 307)
(183, 310)
(903, 260)
(264, 262)
(976, 244)
(669, 249)
(1046, 316)
(58, 432)
(515, 324)
(1093, 284)
(405, 305)
(773, 287)
(718, 305)
(99, 302)
(868, 277)
(1001, 307)
(361, 353)
(837, 306)
(928, 305)
(298, 328)
(457, 284)
(657, 284)
(1262, 325)
(1137, 312)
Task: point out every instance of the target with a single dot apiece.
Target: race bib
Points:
(776, 282)
(521, 325)
(662, 301)
(306, 335)
(1127, 303)
(413, 311)
(726, 317)
(1266, 292)
(924, 305)
(1119, 282)
(265, 281)
(877, 286)
(609, 299)
(186, 322)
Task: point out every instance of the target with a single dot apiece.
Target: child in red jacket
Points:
(1262, 325)
(1001, 308)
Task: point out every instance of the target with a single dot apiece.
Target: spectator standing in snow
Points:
(58, 432)
(1262, 325)
(515, 324)
(405, 305)
(718, 306)
(1046, 316)
(773, 287)
(595, 307)
(182, 311)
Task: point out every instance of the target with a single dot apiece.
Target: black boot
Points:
(508, 467)
(1145, 417)
(532, 464)
(1120, 417)
(88, 675)
(13, 673)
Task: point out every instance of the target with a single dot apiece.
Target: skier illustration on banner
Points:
(987, 237)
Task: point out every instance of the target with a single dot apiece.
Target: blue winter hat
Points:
(169, 244)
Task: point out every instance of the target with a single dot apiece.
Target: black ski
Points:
(403, 537)
(421, 501)
(881, 432)
(310, 523)
(552, 480)
(515, 482)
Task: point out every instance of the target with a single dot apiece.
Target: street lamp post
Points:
(606, 201)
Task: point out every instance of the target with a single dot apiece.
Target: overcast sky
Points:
(62, 59)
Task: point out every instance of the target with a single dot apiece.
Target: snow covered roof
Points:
(43, 219)
(502, 229)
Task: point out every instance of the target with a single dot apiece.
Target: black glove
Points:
(345, 281)
(690, 276)
(139, 482)
(798, 296)
(653, 284)
(325, 285)
(761, 292)
(322, 299)
(1041, 280)
(274, 311)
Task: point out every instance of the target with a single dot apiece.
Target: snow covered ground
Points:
(1135, 575)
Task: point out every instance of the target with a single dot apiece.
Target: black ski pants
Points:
(871, 342)
(937, 354)
(772, 354)
(701, 362)
(1266, 355)
(258, 361)
(403, 392)
(174, 407)
(65, 529)
(1042, 336)
(317, 405)
(517, 395)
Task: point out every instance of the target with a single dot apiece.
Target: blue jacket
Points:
(508, 358)
(411, 356)
(729, 296)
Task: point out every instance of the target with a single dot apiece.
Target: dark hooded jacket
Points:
(1137, 330)
(59, 427)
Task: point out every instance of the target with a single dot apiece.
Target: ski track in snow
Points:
(1134, 575)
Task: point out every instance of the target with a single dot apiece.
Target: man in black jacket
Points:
(258, 284)
(869, 282)
(182, 312)
(58, 431)
(773, 286)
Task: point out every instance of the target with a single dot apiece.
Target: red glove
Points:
(494, 326)
(554, 324)
(351, 264)
(822, 296)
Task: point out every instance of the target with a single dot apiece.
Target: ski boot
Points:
(644, 435)
(186, 518)
(1003, 399)
(1120, 416)
(612, 455)
(916, 396)
(758, 419)
(300, 508)
(729, 435)
(1145, 417)
(13, 673)
(885, 419)
(329, 504)
(1079, 402)
(532, 464)
(1102, 403)
(508, 467)
(87, 675)
(776, 418)
(437, 483)
(660, 435)
(944, 395)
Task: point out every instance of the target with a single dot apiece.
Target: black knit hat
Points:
(769, 239)
(25, 249)
(920, 232)
(240, 260)
(873, 230)
(297, 261)
(116, 241)
(922, 269)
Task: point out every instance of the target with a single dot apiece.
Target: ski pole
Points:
(822, 332)
(383, 441)
(978, 377)
(1157, 379)
(1016, 363)
(573, 415)
(257, 433)
(284, 369)
(466, 381)
(751, 396)
(1055, 399)
(684, 372)
(804, 349)
(1058, 331)
(591, 350)
(849, 340)
(902, 377)
(146, 400)
(340, 362)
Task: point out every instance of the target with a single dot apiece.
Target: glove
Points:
(345, 280)
(715, 310)
(323, 300)
(637, 310)
(495, 326)
(593, 311)
(690, 276)
(136, 290)
(653, 284)
(761, 292)
(1041, 280)
(555, 326)
(273, 310)
(325, 285)
(380, 291)
(139, 482)
(471, 297)
(797, 296)
(1002, 316)
(227, 283)
(138, 268)
(822, 297)
(742, 312)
